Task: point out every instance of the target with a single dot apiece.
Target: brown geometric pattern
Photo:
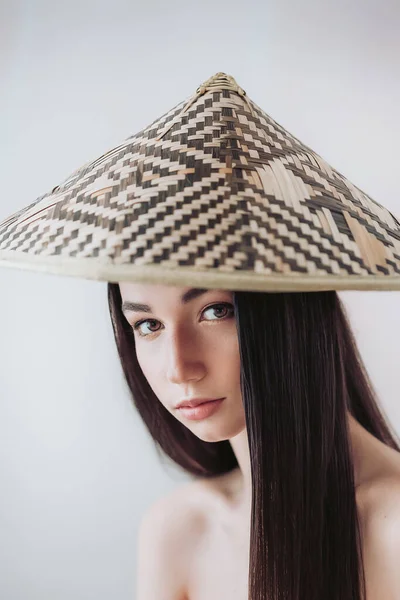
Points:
(213, 188)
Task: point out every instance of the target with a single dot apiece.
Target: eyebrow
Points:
(185, 298)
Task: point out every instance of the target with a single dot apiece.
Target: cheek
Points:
(231, 348)
(234, 361)
(233, 357)
(225, 361)
(150, 370)
(148, 363)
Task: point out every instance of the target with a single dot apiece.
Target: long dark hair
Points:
(301, 372)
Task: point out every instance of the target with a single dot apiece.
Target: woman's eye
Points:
(224, 306)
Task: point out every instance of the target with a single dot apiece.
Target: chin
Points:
(214, 432)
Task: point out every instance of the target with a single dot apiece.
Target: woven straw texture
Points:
(214, 192)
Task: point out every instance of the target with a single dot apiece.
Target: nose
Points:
(184, 358)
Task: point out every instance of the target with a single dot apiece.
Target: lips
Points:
(195, 402)
(202, 411)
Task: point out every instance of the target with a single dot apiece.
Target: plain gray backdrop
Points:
(77, 467)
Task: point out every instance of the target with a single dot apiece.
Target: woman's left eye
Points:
(224, 305)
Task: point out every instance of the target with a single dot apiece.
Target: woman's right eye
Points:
(138, 325)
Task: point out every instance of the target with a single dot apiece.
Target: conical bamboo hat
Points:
(213, 192)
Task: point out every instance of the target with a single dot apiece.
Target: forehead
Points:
(133, 289)
(139, 296)
(142, 291)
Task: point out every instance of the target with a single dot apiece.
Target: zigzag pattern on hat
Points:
(214, 184)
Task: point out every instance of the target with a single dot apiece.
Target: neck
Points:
(242, 477)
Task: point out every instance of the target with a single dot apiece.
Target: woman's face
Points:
(188, 348)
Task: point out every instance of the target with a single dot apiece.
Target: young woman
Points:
(296, 488)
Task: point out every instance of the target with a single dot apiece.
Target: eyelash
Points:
(139, 323)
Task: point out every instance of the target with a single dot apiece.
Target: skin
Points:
(194, 352)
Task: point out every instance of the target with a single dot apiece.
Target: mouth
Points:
(195, 402)
(201, 411)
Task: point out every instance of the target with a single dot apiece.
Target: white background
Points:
(77, 467)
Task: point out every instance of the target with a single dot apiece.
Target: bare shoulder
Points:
(382, 492)
(380, 525)
(168, 534)
(177, 516)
